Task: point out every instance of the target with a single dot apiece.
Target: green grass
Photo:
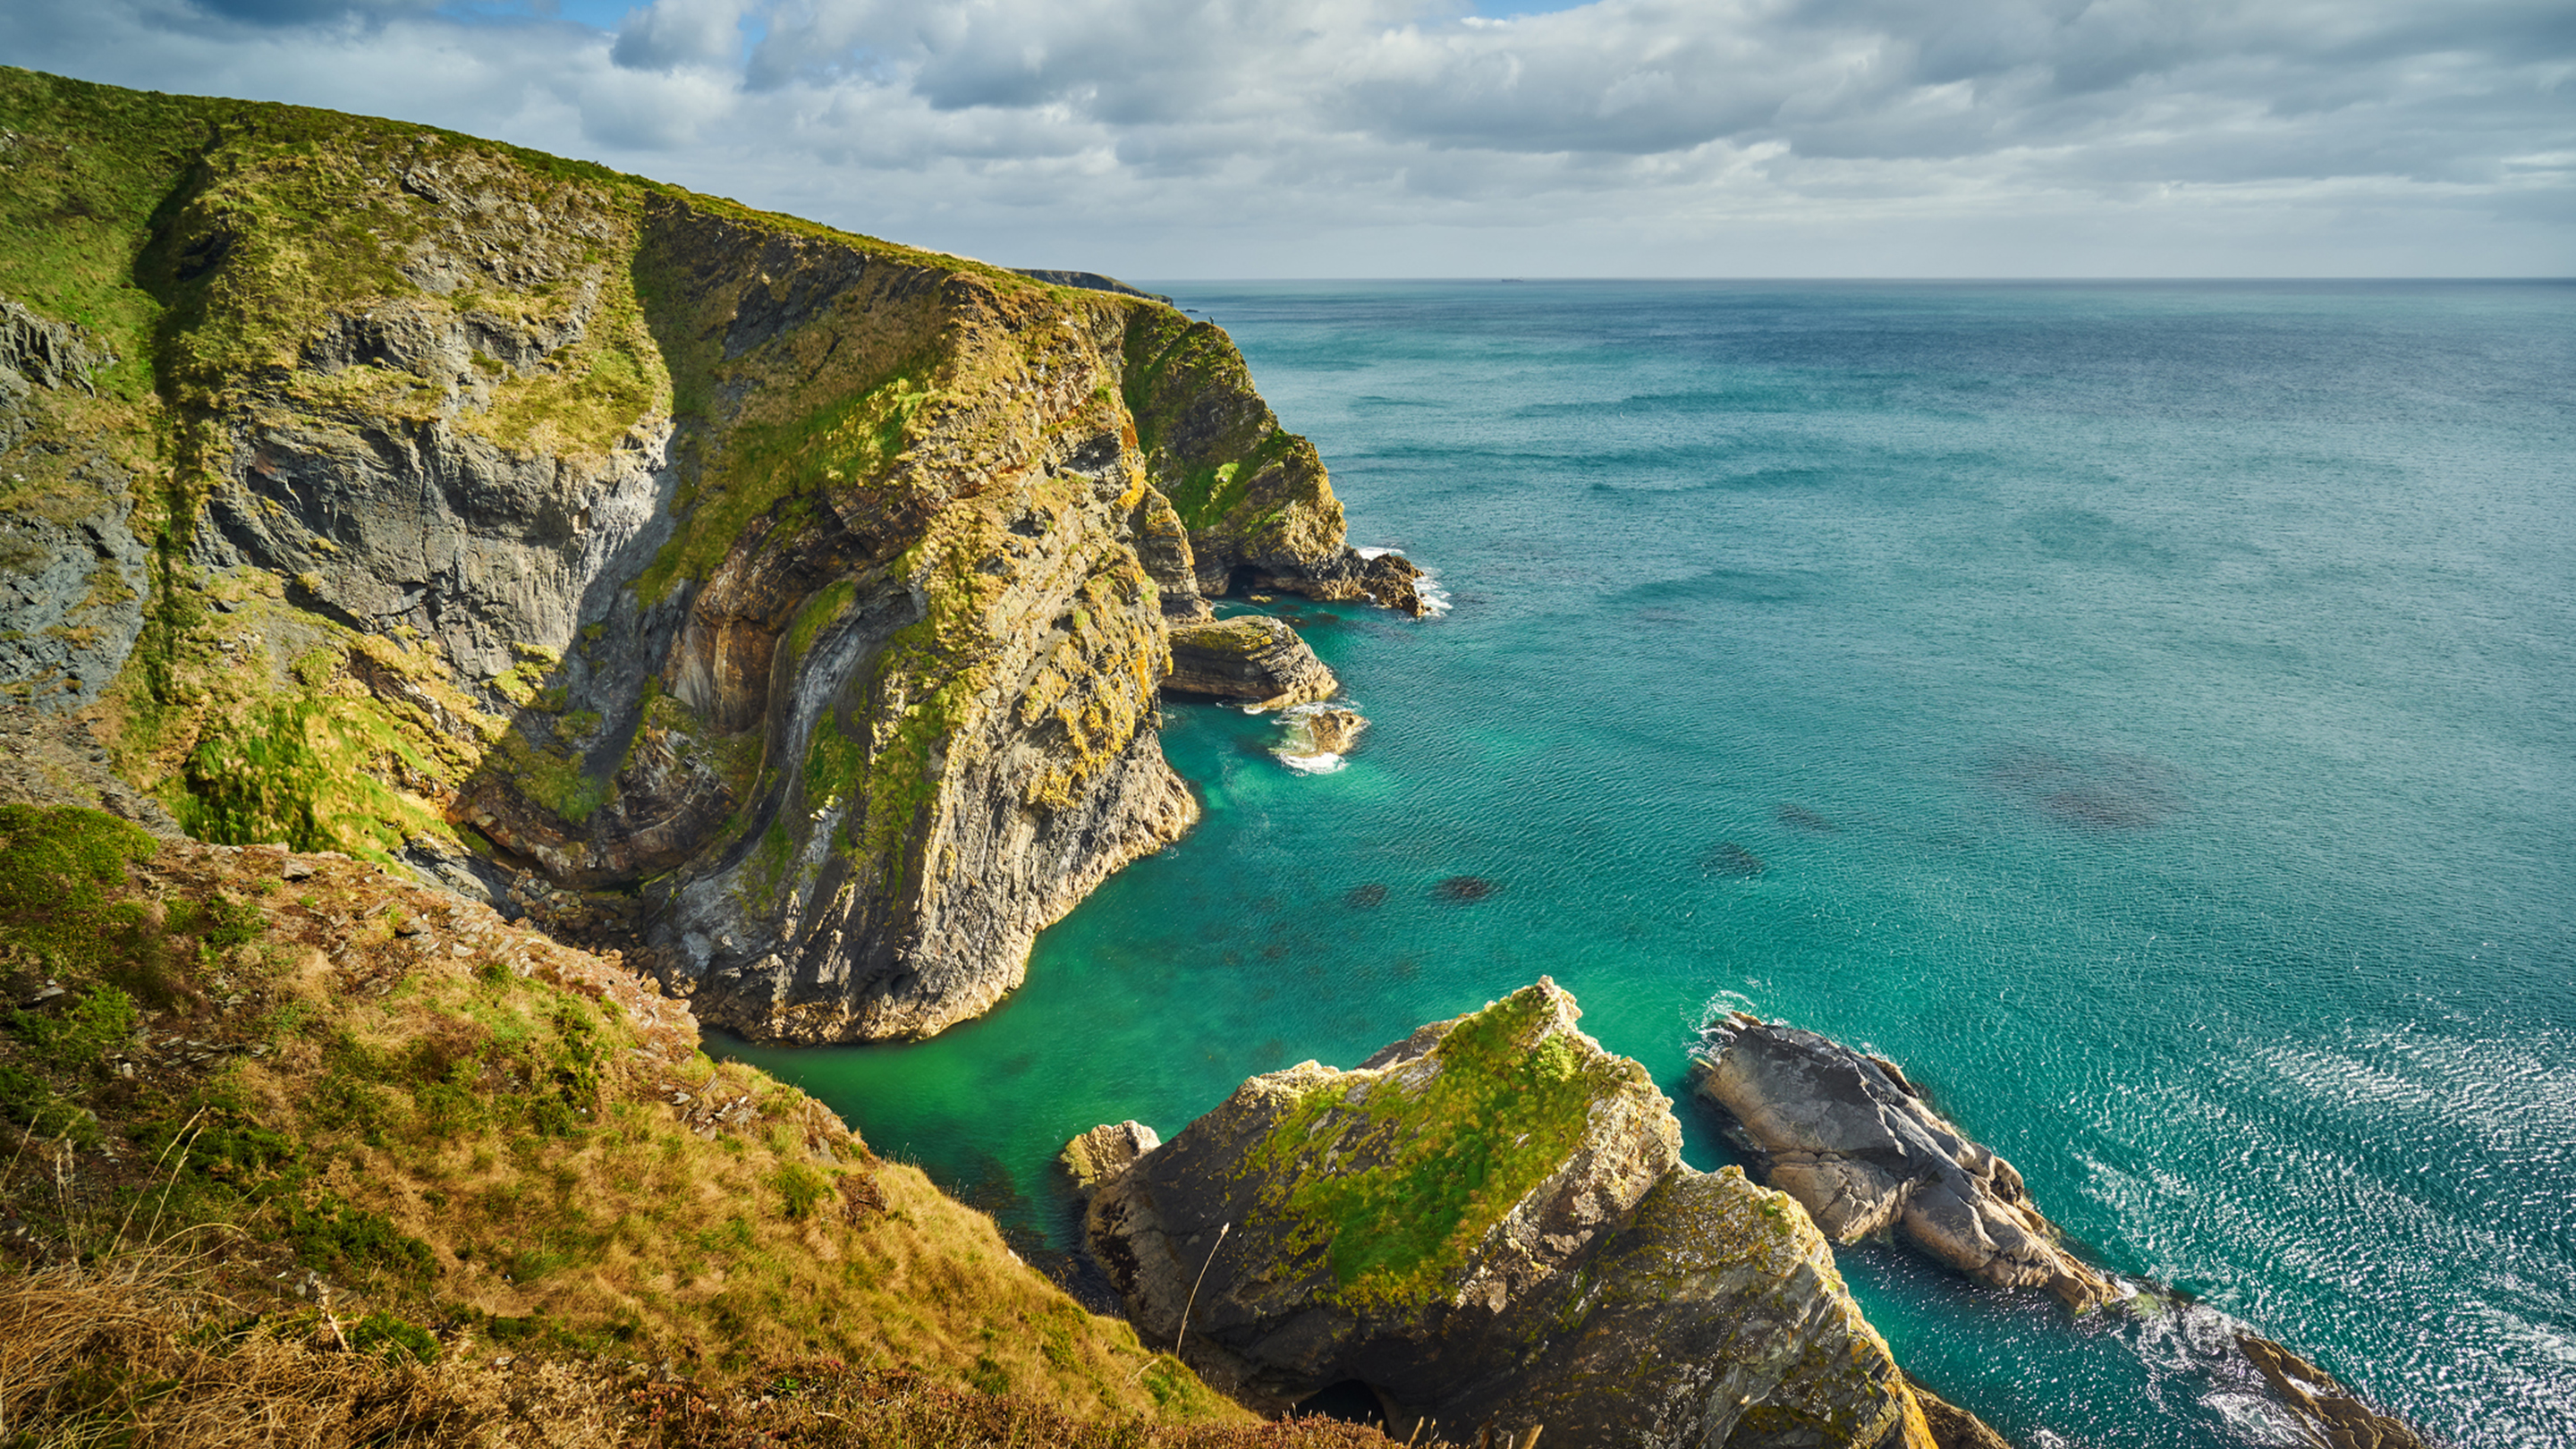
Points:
(1436, 1166)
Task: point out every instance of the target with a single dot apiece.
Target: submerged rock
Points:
(1853, 1141)
(1734, 861)
(1489, 1226)
(1250, 659)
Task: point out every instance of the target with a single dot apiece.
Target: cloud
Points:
(1636, 134)
(670, 35)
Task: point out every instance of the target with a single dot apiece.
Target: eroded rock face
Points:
(73, 576)
(800, 594)
(2325, 1407)
(1490, 1225)
(1847, 1136)
(1251, 659)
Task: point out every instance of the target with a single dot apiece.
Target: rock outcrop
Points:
(2325, 1408)
(511, 518)
(1848, 1136)
(1319, 731)
(1853, 1141)
(1489, 1225)
(1251, 659)
(72, 574)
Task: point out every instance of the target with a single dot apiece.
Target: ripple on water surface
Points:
(2145, 713)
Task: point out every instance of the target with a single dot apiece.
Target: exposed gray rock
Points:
(73, 577)
(1250, 659)
(35, 352)
(384, 521)
(1389, 580)
(1489, 1225)
(1853, 1141)
(71, 605)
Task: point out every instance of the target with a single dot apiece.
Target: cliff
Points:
(1488, 1226)
(795, 600)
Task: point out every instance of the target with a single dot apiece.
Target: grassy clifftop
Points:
(341, 1104)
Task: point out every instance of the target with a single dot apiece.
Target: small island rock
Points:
(1489, 1226)
(1853, 1141)
(1250, 659)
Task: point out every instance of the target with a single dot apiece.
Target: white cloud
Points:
(1214, 137)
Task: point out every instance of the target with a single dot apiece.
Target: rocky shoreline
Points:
(1485, 1231)
(1488, 1229)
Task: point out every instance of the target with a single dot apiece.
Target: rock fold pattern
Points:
(796, 601)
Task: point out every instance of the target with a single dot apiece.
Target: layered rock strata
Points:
(1859, 1147)
(1251, 659)
(1853, 1141)
(73, 576)
(1488, 1224)
(798, 598)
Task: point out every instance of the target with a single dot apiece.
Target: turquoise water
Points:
(2151, 711)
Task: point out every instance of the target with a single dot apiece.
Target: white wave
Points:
(1323, 763)
(1378, 552)
(1435, 599)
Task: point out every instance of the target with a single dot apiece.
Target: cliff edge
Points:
(794, 601)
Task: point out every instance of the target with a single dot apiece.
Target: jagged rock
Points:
(71, 603)
(1387, 579)
(72, 575)
(1106, 1151)
(47, 759)
(1854, 1142)
(1315, 732)
(2325, 1407)
(37, 352)
(1953, 1427)
(807, 591)
(1489, 1225)
(1250, 659)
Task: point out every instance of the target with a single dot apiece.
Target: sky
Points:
(1192, 139)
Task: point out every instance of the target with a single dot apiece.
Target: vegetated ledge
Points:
(790, 601)
(293, 1140)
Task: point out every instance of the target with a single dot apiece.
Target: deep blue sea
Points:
(2146, 712)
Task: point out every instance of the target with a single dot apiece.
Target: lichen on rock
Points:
(1251, 659)
(395, 492)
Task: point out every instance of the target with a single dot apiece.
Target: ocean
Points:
(2146, 712)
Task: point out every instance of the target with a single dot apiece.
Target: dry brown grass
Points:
(371, 1088)
(143, 1355)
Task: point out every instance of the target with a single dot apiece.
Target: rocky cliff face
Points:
(1489, 1225)
(797, 598)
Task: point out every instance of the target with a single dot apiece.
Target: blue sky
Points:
(1244, 138)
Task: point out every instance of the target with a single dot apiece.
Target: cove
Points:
(2142, 711)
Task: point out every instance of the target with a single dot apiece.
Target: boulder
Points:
(1319, 735)
(1104, 1152)
(1489, 1226)
(1251, 659)
(1854, 1142)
